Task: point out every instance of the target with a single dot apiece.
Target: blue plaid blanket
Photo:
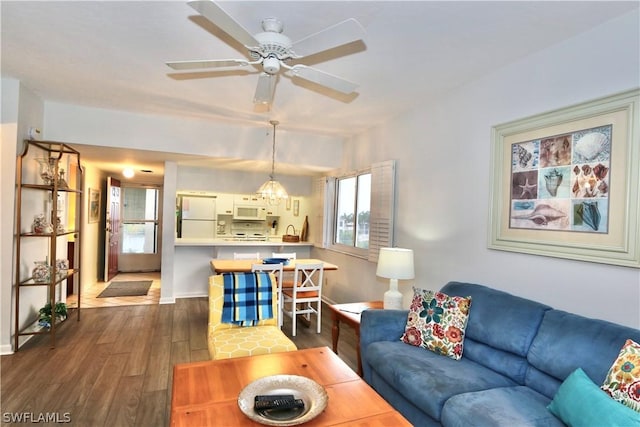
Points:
(248, 298)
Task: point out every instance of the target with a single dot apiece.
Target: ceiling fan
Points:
(273, 50)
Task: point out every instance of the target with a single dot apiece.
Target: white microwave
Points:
(249, 213)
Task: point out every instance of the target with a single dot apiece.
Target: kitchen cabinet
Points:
(273, 210)
(49, 208)
(224, 204)
(248, 200)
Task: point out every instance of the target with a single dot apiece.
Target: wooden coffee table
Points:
(206, 393)
(349, 314)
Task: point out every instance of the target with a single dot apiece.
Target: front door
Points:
(112, 229)
(140, 228)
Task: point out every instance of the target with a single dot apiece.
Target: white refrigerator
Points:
(196, 217)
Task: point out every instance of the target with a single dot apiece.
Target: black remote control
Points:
(278, 404)
(273, 397)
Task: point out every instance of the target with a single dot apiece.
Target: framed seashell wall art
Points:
(566, 183)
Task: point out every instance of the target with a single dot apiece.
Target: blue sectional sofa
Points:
(517, 352)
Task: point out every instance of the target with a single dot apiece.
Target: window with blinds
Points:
(357, 210)
(383, 178)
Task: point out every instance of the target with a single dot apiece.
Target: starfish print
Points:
(527, 188)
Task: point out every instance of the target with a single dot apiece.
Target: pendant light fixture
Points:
(272, 191)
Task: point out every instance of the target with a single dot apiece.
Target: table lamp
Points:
(394, 264)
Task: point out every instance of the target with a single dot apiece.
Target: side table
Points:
(350, 314)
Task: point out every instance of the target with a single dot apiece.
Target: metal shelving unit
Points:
(45, 184)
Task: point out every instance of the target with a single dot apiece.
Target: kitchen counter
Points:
(237, 243)
(194, 255)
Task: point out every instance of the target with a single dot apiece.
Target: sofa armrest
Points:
(382, 325)
(379, 325)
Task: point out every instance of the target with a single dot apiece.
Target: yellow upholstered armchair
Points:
(228, 340)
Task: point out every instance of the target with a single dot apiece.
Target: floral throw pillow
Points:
(437, 322)
(623, 379)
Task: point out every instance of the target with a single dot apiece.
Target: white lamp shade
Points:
(395, 263)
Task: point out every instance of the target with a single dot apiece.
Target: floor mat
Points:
(126, 289)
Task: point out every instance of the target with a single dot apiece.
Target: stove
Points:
(251, 231)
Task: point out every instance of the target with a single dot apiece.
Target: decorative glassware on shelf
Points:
(41, 225)
(59, 225)
(62, 267)
(47, 169)
(62, 183)
(41, 272)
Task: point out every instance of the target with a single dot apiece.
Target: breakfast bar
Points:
(219, 266)
(194, 257)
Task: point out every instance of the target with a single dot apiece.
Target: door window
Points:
(140, 220)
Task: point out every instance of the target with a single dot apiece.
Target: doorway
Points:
(137, 255)
(141, 232)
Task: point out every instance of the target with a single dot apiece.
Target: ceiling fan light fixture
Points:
(271, 65)
(272, 191)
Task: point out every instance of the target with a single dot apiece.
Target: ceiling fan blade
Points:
(324, 79)
(219, 17)
(212, 63)
(339, 34)
(265, 89)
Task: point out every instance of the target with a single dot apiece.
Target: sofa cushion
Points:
(503, 362)
(427, 379)
(437, 322)
(567, 341)
(580, 402)
(499, 319)
(623, 379)
(505, 406)
(542, 382)
(416, 416)
(500, 329)
(251, 341)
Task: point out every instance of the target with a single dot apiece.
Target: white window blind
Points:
(322, 206)
(382, 207)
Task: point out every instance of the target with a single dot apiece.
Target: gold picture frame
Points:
(537, 231)
(296, 207)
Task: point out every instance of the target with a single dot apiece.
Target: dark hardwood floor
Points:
(114, 367)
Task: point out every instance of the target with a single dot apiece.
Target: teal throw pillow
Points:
(580, 402)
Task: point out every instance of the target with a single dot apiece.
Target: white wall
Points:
(443, 153)
(92, 242)
(109, 128)
(9, 136)
(21, 110)
(168, 267)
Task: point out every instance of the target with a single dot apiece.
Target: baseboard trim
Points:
(6, 349)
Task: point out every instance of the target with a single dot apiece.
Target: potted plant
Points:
(60, 311)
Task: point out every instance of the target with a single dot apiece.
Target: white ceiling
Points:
(111, 54)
